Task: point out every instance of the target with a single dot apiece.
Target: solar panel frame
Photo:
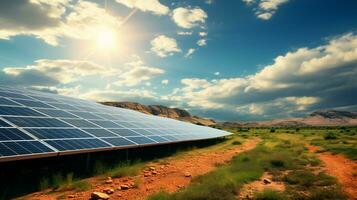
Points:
(110, 128)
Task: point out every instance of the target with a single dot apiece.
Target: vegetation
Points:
(62, 183)
(282, 154)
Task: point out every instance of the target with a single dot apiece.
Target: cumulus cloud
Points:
(164, 46)
(137, 75)
(153, 6)
(189, 52)
(184, 33)
(165, 82)
(51, 20)
(202, 34)
(202, 42)
(217, 73)
(265, 8)
(51, 72)
(296, 83)
(188, 18)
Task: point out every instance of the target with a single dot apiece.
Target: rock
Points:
(152, 168)
(108, 190)
(71, 196)
(99, 196)
(187, 174)
(266, 181)
(146, 174)
(154, 172)
(124, 187)
(109, 180)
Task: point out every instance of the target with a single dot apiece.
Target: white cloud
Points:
(209, 2)
(190, 52)
(265, 8)
(51, 20)
(165, 82)
(164, 46)
(61, 71)
(153, 6)
(189, 18)
(217, 73)
(184, 33)
(137, 73)
(299, 81)
(202, 34)
(202, 42)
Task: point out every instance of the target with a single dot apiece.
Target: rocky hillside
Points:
(318, 118)
(159, 110)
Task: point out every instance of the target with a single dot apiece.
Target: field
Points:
(254, 163)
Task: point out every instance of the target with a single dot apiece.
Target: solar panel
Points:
(35, 124)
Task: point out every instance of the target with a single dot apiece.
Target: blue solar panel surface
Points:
(43, 124)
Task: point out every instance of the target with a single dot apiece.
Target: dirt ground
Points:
(170, 175)
(345, 170)
(248, 190)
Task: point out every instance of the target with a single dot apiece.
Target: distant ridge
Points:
(317, 118)
(159, 110)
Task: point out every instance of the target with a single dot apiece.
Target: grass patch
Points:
(125, 169)
(269, 195)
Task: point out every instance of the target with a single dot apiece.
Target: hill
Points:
(317, 118)
(159, 110)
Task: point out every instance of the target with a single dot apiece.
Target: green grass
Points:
(281, 151)
(58, 182)
(269, 195)
(226, 180)
(126, 169)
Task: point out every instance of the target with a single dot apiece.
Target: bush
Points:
(330, 193)
(330, 136)
(277, 163)
(44, 183)
(236, 142)
(269, 195)
(272, 130)
(81, 186)
(300, 177)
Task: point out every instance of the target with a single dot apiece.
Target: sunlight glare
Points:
(106, 39)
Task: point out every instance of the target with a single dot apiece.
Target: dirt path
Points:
(170, 175)
(343, 169)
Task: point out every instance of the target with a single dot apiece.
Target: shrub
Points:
(269, 195)
(277, 163)
(300, 177)
(44, 183)
(330, 136)
(330, 193)
(272, 130)
(81, 185)
(236, 142)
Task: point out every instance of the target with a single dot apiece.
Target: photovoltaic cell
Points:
(13, 134)
(119, 141)
(58, 133)
(56, 113)
(4, 124)
(36, 122)
(30, 103)
(50, 124)
(7, 102)
(21, 111)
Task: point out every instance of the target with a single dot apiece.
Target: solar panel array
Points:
(34, 124)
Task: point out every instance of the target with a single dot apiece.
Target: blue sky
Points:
(228, 60)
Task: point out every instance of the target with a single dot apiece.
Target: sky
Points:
(236, 60)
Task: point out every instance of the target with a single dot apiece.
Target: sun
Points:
(106, 39)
